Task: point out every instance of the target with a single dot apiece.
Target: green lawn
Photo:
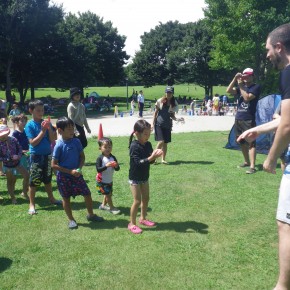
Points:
(216, 227)
(149, 93)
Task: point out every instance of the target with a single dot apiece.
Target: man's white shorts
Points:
(283, 210)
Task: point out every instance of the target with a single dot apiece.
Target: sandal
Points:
(244, 165)
(147, 223)
(134, 229)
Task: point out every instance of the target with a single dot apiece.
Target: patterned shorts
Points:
(69, 185)
(40, 169)
(104, 188)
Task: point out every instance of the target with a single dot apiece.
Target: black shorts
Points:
(82, 136)
(243, 125)
(162, 134)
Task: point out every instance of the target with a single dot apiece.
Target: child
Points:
(40, 135)
(106, 164)
(14, 112)
(141, 155)
(68, 159)
(20, 122)
(10, 154)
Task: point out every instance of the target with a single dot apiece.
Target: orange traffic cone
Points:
(100, 135)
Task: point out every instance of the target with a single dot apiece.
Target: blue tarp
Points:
(265, 110)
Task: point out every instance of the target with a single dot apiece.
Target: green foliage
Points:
(216, 227)
(240, 29)
(95, 51)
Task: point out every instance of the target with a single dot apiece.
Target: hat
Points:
(248, 71)
(74, 91)
(4, 130)
(169, 89)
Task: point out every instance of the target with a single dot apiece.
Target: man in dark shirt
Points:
(248, 94)
(278, 52)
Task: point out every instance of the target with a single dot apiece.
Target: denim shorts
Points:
(136, 182)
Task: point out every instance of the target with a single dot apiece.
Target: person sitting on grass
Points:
(68, 159)
(106, 164)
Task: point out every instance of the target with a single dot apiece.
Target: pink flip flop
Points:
(134, 229)
(147, 223)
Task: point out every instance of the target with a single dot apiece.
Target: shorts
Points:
(11, 169)
(40, 169)
(104, 188)
(162, 134)
(243, 125)
(136, 182)
(71, 186)
(283, 209)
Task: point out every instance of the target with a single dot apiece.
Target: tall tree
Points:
(240, 28)
(94, 51)
(150, 64)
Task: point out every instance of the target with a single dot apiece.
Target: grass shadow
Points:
(182, 227)
(5, 263)
(177, 162)
(106, 225)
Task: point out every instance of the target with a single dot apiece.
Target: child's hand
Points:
(111, 164)
(45, 124)
(76, 172)
(114, 164)
(157, 153)
(15, 157)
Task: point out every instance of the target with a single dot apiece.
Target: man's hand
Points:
(270, 166)
(249, 135)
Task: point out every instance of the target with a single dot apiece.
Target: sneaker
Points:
(147, 223)
(95, 218)
(72, 225)
(115, 210)
(104, 207)
(251, 171)
(134, 229)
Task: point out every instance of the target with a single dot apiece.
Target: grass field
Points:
(150, 93)
(216, 227)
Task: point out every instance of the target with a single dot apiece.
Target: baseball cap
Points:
(74, 91)
(4, 130)
(169, 89)
(248, 71)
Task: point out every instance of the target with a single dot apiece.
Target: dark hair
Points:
(74, 91)
(164, 100)
(63, 122)
(33, 104)
(105, 140)
(139, 127)
(281, 34)
(16, 119)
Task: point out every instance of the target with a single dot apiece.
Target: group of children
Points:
(28, 152)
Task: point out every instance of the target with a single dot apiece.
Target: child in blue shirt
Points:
(68, 159)
(40, 135)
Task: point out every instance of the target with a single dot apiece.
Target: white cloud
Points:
(133, 17)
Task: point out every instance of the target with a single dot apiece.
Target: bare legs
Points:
(284, 256)
(249, 154)
(140, 193)
(163, 146)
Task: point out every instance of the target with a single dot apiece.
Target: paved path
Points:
(124, 126)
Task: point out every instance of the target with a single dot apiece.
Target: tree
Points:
(94, 51)
(150, 64)
(240, 29)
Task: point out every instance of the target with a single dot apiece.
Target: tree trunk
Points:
(8, 80)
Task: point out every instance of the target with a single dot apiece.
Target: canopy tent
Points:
(265, 110)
